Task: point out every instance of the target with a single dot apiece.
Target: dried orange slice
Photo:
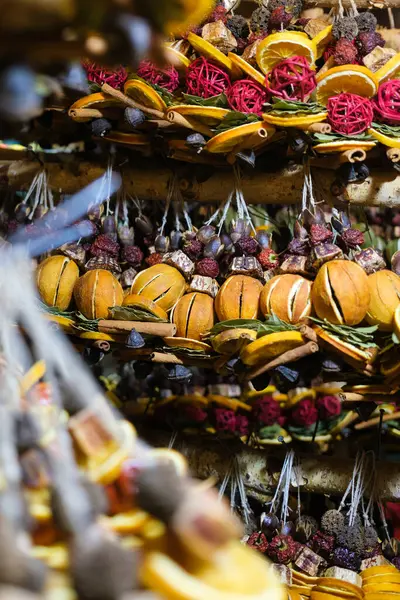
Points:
(96, 335)
(209, 51)
(127, 139)
(109, 469)
(55, 556)
(391, 70)
(390, 142)
(233, 340)
(65, 323)
(381, 587)
(126, 523)
(270, 346)
(247, 68)
(230, 403)
(298, 121)
(322, 39)
(332, 584)
(378, 570)
(210, 115)
(176, 58)
(134, 300)
(179, 342)
(278, 46)
(227, 141)
(234, 573)
(38, 501)
(354, 79)
(174, 458)
(194, 12)
(342, 146)
(98, 100)
(144, 94)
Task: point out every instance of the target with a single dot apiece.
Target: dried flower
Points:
(305, 414)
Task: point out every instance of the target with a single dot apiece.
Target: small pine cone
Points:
(353, 238)
(104, 244)
(345, 27)
(258, 541)
(194, 249)
(247, 246)
(207, 267)
(154, 259)
(320, 234)
(268, 258)
(132, 255)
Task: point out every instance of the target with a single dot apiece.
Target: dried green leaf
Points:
(279, 107)
(130, 313)
(235, 119)
(219, 101)
(362, 337)
(390, 130)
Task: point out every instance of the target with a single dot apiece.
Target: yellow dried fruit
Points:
(238, 298)
(56, 277)
(384, 287)
(193, 315)
(270, 346)
(162, 284)
(288, 297)
(140, 302)
(341, 293)
(96, 292)
(233, 340)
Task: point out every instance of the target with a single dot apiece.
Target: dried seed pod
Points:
(390, 548)
(340, 293)
(144, 224)
(238, 298)
(22, 212)
(196, 141)
(126, 235)
(213, 248)
(96, 292)
(228, 244)
(263, 238)
(134, 117)
(161, 283)
(384, 287)
(109, 225)
(239, 229)
(193, 315)
(100, 127)
(178, 373)
(161, 244)
(288, 297)
(135, 340)
(205, 233)
(176, 239)
(56, 277)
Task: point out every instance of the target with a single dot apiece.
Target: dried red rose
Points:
(154, 259)
(329, 406)
(208, 267)
(305, 414)
(104, 244)
(268, 258)
(258, 541)
(353, 238)
(132, 255)
(225, 420)
(320, 234)
(266, 410)
(247, 245)
(282, 549)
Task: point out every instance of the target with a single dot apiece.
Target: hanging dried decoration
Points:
(167, 78)
(247, 96)
(387, 102)
(206, 79)
(291, 79)
(350, 114)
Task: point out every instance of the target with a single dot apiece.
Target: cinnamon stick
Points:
(353, 156)
(102, 345)
(188, 123)
(387, 398)
(92, 113)
(159, 329)
(393, 154)
(287, 357)
(319, 128)
(124, 99)
(376, 420)
(252, 141)
(166, 358)
(309, 333)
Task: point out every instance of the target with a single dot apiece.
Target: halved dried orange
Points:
(235, 572)
(144, 94)
(270, 346)
(180, 342)
(378, 570)
(390, 142)
(381, 587)
(204, 48)
(342, 146)
(98, 100)
(298, 121)
(391, 70)
(354, 79)
(247, 68)
(278, 46)
(227, 141)
(210, 115)
(333, 584)
(176, 58)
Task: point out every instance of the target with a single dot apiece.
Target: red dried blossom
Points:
(350, 114)
(322, 543)
(366, 41)
(195, 413)
(329, 406)
(194, 249)
(305, 414)
(280, 18)
(154, 259)
(345, 52)
(353, 238)
(207, 267)
(329, 51)
(247, 96)
(266, 410)
(319, 234)
(104, 244)
(225, 420)
(242, 425)
(282, 549)
(206, 79)
(387, 102)
(98, 74)
(291, 79)
(132, 255)
(258, 541)
(218, 14)
(167, 78)
(247, 245)
(268, 258)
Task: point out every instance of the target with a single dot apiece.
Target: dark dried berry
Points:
(279, 19)
(207, 267)
(154, 259)
(367, 41)
(104, 244)
(353, 238)
(194, 249)
(268, 258)
(247, 246)
(366, 21)
(239, 26)
(100, 127)
(345, 52)
(134, 117)
(132, 255)
(319, 234)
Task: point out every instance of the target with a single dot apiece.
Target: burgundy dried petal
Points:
(353, 238)
(103, 244)
(132, 255)
(320, 234)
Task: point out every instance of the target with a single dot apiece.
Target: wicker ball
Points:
(247, 96)
(166, 78)
(98, 74)
(291, 79)
(387, 102)
(206, 79)
(350, 114)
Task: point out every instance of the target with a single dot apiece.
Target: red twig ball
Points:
(387, 102)
(350, 114)
(166, 78)
(98, 74)
(291, 79)
(206, 79)
(247, 96)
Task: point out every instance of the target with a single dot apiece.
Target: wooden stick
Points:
(107, 89)
(319, 128)
(309, 333)
(283, 359)
(393, 154)
(376, 420)
(188, 123)
(159, 329)
(353, 156)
